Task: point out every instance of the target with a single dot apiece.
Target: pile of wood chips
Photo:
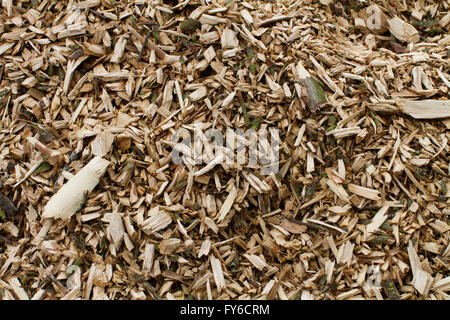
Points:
(92, 93)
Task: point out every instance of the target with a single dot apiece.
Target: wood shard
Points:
(66, 201)
(226, 207)
(17, 289)
(293, 227)
(402, 30)
(422, 280)
(218, 273)
(379, 218)
(426, 109)
(364, 192)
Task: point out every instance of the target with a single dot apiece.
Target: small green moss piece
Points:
(190, 26)
(43, 167)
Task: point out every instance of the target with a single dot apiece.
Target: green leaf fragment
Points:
(255, 124)
(156, 35)
(43, 167)
(390, 289)
(180, 184)
(386, 226)
(426, 23)
(190, 26)
(315, 95)
(71, 270)
(434, 31)
(250, 53)
(331, 120)
(244, 111)
(380, 240)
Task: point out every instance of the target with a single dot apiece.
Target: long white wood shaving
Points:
(63, 204)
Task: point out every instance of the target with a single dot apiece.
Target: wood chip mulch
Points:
(92, 92)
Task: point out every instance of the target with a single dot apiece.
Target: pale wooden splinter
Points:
(68, 199)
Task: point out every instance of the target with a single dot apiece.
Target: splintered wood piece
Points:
(67, 200)
(247, 16)
(102, 143)
(157, 220)
(53, 157)
(256, 261)
(323, 74)
(344, 132)
(229, 39)
(364, 192)
(226, 206)
(198, 94)
(293, 227)
(426, 109)
(345, 253)
(116, 229)
(422, 280)
(119, 50)
(17, 289)
(273, 20)
(379, 218)
(338, 190)
(212, 20)
(219, 159)
(216, 267)
(402, 30)
(204, 249)
(149, 255)
(71, 66)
